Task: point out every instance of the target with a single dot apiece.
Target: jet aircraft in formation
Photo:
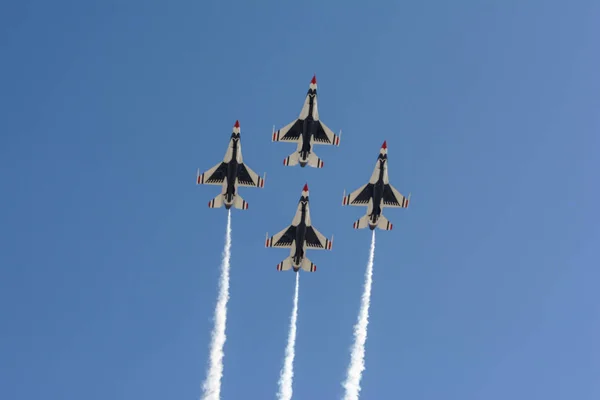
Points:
(300, 236)
(231, 173)
(307, 130)
(376, 195)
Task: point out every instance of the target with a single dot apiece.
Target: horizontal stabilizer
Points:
(284, 265)
(314, 161)
(217, 202)
(384, 224)
(291, 160)
(362, 222)
(240, 203)
(308, 266)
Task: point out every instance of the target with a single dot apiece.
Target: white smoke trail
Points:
(357, 360)
(212, 384)
(287, 372)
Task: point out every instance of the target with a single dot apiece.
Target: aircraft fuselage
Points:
(309, 129)
(300, 234)
(377, 197)
(232, 171)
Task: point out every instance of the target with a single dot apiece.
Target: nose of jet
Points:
(305, 188)
(383, 150)
(236, 127)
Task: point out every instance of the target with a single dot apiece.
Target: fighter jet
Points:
(307, 130)
(231, 173)
(376, 195)
(299, 237)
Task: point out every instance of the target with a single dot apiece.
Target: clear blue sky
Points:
(487, 288)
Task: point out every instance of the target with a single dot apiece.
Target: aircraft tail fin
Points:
(240, 203)
(285, 264)
(308, 266)
(314, 161)
(384, 224)
(361, 223)
(217, 202)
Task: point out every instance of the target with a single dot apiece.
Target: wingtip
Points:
(237, 124)
(262, 180)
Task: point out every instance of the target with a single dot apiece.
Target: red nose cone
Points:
(305, 187)
(237, 124)
(384, 145)
(314, 80)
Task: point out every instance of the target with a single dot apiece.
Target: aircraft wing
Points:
(214, 176)
(324, 135)
(283, 239)
(289, 133)
(393, 198)
(316, 240)
(247, 177)
(360, 197)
